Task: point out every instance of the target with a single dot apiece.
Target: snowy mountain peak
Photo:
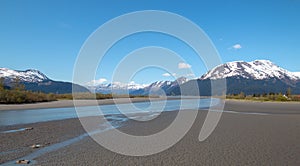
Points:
(181, 80)
(120, 85)
(30, 75)
(116, 87)
(123, 88)
(258, 70)
(160, 83)
(297, 74)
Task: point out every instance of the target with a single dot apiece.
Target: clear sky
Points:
(48, 34)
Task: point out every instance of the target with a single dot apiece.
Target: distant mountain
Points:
(116, 88)
(297, 74)
(257, 77)
(161, 87)
(35, 80)
(31, 75)
(256, 70)
(156, 88)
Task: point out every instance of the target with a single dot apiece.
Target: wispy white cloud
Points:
(169, 75)
(166, 74)
(236, 47)
(183, 65)
(97, 82)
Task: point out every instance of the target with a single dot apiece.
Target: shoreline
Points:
(262, 107)
(82, 103)
(70, 103)
(258, 101)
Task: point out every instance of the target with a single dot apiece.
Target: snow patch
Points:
(30, 75)
(258, 69)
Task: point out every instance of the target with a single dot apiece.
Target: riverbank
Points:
(70, 103)
(262, 107)
(239, 139)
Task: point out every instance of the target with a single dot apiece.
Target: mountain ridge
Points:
(256, 77)
(258, 69)
(29, 75)
(259, 76)
(34, 80)
(136, 89)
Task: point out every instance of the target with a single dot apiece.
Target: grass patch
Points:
(265, 97)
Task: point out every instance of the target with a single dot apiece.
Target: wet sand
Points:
(263, 107)
(239, 139)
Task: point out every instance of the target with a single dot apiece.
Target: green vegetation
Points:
(98, 96)
(266, 97)
(17, 95)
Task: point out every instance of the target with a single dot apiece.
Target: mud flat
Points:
(239, 139)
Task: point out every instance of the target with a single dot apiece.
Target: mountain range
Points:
(156, 88)
(256, 77)
(258, 70)
(35, 80)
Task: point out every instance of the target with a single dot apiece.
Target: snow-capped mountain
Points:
(257, 70)
(167, 84)
(161, 87)
(138, 89)
(297, 74)
(256, 77)
(159, 84)
(30, 75)
(116, 87)
(35, 80)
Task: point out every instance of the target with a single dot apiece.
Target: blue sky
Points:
(47, 35)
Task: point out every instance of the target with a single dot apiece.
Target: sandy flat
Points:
(263, 107)
(239, 139)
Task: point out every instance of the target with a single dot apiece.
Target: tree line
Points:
(266, 96)
(16, 94)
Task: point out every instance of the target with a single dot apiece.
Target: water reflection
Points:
(42, 115)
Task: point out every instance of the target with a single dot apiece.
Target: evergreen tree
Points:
(289, 92)
(242, 95)
(2, 91)
(1, 84)
(17, 85)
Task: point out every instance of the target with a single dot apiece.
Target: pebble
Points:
(34, 146)
(22, 161)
